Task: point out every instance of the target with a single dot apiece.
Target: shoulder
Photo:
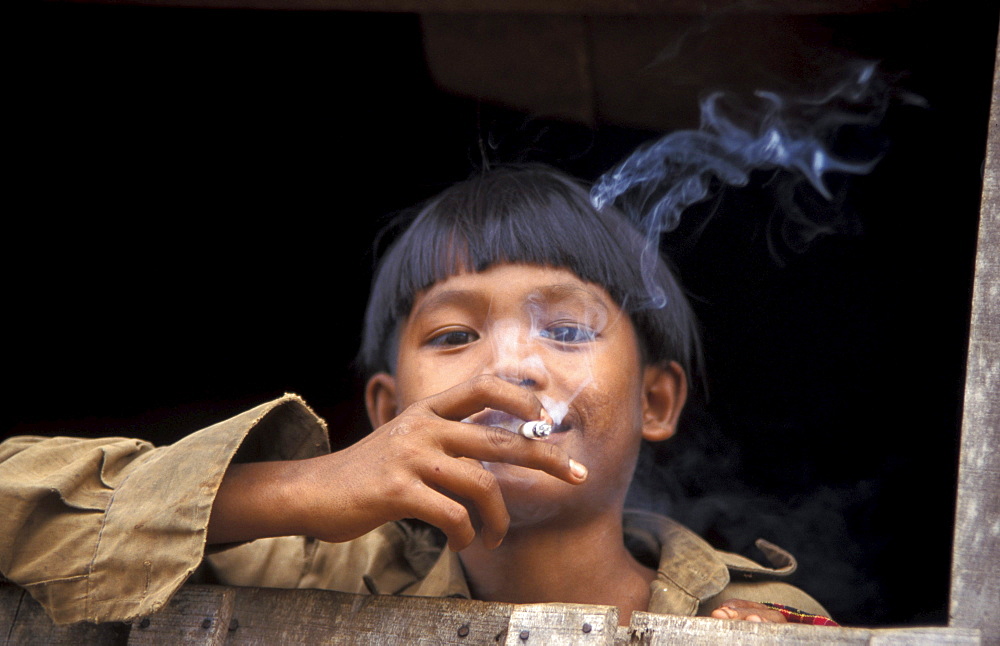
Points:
(695, 578)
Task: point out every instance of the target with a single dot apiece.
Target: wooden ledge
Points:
(207, 614)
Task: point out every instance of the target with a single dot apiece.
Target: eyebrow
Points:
(446, 298)
(465, 297)
(567, 291)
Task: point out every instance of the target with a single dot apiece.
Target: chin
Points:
(533, 497)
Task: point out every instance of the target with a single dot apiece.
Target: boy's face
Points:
(568, 343)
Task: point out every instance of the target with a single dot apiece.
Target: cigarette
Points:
(535, 430)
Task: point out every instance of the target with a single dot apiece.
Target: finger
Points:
(437, 509)
(748, 611)
(723, 612)
(744, 614)
(492, 444)
(471, 482)
(484, 391)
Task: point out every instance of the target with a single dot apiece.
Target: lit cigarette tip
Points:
(535, 430)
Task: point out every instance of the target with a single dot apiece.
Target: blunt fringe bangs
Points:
(531, 215)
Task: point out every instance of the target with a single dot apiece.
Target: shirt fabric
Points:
(107, 530)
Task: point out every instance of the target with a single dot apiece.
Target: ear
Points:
(380, 399)
(664, 394)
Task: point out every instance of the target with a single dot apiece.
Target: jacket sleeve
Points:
(108, 529)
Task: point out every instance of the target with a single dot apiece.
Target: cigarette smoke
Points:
(809, 145)
(660, 180)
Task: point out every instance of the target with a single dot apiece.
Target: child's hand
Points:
(423, 464)
(748, 611)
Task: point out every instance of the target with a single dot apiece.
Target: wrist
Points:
(256, 500)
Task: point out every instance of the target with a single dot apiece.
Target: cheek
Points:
(421, 377)
(611, 408)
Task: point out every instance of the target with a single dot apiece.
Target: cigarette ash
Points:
(531, 429)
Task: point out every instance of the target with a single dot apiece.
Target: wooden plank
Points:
(975, 587)
(562, 623)
(26, 624)
(263, 617)
(266, 617)
(197, 614)
(653, 630)
(570, 7)
(538, 64)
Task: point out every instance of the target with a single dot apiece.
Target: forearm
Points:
(257, 500)
(106, 530)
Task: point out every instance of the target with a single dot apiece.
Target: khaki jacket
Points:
(108, 530)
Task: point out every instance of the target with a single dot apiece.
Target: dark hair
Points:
(533, 215)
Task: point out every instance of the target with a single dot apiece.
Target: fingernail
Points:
(545, 417)
(578, 469)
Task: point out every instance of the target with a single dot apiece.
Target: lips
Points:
(500, 419)
(506, 421)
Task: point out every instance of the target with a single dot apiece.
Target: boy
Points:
(509, 299)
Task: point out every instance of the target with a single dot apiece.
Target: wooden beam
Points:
(264, 616)
(662, 630)
(562, 623)
(975, 587)
(202, 614)
(23, 621)
(569, 7)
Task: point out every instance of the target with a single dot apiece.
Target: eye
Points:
(568, 333)
(450, 338)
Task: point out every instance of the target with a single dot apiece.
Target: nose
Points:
(514, 359)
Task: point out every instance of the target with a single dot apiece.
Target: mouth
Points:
(508, 422)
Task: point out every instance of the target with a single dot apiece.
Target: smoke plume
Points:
(659, 181)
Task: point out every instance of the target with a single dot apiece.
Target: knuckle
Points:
(402, 455)
(552, 453)
(402, 425)
(455, 516)
(482, 385)
(500, 438)
(487, 483)
(396, 485)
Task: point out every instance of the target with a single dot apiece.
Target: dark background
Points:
(200, 191)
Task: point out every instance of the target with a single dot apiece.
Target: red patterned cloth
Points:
(796, 616)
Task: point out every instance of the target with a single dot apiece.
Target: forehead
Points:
(514, 284)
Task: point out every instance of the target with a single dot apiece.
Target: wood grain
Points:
(575, 7)
(198, 614)
(562, 623)
(975, 586)
(655, 630)
(324, 617)
(24, 622)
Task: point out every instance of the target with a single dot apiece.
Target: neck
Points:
(587, 564)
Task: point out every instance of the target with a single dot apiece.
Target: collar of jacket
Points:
(689, 571)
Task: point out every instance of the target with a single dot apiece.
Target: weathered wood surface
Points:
(657, 630)
(200, 614)
(23, 621)
(975, 584)
(562, 623)
(588, 7)
(267, 617)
